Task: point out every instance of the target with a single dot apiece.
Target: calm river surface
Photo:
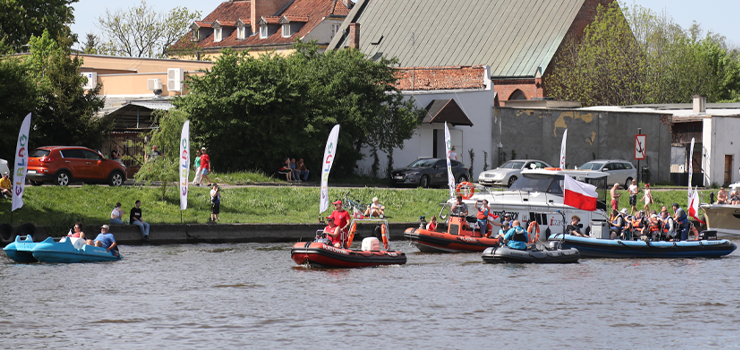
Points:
(254, 296)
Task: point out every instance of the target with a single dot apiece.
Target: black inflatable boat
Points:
(547, 253)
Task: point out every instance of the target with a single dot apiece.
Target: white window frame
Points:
(218, 34)
(335, 29)
(263, 32)
(240, 32)
(286, 30)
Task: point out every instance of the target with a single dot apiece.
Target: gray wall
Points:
(537, 133)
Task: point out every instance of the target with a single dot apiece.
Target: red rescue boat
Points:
(322, 253)
(459, 238)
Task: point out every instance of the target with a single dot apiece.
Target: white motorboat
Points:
(538, 195)
(723, 218)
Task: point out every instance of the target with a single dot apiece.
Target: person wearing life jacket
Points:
(482, 216)
(638, 225)
(680, 217)
(432, 225)
(654, 227)
(516, 237)
(668, 230)
(616, 220)
(505, 226)
(333, 233)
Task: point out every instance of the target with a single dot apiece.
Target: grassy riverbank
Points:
(53, 205)
(61, 206)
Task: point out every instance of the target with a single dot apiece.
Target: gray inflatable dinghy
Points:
(542, 253)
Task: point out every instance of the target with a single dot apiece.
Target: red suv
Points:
(64, 164)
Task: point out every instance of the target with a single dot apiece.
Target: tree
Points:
(65, 113)
(92, 44)
(253, 112)
(165, 168)
(18, 97)
(22, 19)
(143, 32)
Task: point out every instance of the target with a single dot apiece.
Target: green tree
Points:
(165, 168)
(65, 113)
(142, 32)
(18, 97)
(253, 112)
(22, 19)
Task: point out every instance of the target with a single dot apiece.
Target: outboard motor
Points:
(553, 245)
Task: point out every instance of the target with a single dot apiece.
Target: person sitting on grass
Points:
(284, 169)
(302, 170)
(375, 209)
(5, 185)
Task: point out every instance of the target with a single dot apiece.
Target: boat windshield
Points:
(512, 165)
(591, 166)
(422, 163)
(539, 183)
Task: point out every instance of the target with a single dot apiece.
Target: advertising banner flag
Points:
(562, 149)
(184, 164)
(691, 168)
(20, 166)
(450, 178)
(329, 154)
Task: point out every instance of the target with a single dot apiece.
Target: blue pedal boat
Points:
(56, 252)
(615, 248)
(20, 250)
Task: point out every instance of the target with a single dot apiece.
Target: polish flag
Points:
(579, 195)
(694, 206)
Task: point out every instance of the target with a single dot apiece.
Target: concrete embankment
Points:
(221, 233)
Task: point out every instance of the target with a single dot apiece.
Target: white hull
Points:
(725, 219)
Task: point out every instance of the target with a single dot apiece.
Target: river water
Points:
(254, 296)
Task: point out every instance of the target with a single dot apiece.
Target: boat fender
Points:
(384, 234)
(28, 229)
(6, 234)
(352, 231)
(465, 189)
(534, 227)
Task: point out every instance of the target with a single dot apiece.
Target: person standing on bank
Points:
(205, 166)
(135, 219)
(633, 189)
(115, 154)
(215, 202)
(196, 167)
(453, 154)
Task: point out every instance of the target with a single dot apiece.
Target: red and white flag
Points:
(579, 195)
(694, 206)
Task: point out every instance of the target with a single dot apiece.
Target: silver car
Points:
(3, 167)
(617, 170)
(507, 173)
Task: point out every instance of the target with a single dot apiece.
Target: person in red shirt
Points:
(341, 217)
(205, 166)
(333, 233)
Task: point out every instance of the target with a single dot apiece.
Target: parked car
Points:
(426, 172)
(507, 173)
(4, 167)
(64, 164)
(617, 170)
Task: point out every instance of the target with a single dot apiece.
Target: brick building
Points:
(262, 26)
(517, 39)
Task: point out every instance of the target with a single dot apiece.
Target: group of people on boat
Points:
(733, 198)
(105, 239)
(651, 226)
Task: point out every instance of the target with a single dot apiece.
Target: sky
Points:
(719, 16)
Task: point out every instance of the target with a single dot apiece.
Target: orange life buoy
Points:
(384, 234)
(533, 225)
(465, 189)
(352, 231)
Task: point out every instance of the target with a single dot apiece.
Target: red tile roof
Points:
(227, 23)
(270, 19)
(310, 12)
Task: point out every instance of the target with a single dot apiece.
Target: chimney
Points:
(354, 35)
(700, 104)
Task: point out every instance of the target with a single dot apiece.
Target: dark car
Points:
(64, 164)
(426, 172)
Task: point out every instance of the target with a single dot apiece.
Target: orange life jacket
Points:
(654, 226)
(636, 223)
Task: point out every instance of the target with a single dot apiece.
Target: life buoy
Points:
(534, 226)
(384, 235)
(465, 189)
(352, 231)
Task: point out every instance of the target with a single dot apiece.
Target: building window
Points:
(196, 34)
(263, 32)
(517, 95)
(335, 29)
(217, 34)
(240, 33)
(286, 30)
